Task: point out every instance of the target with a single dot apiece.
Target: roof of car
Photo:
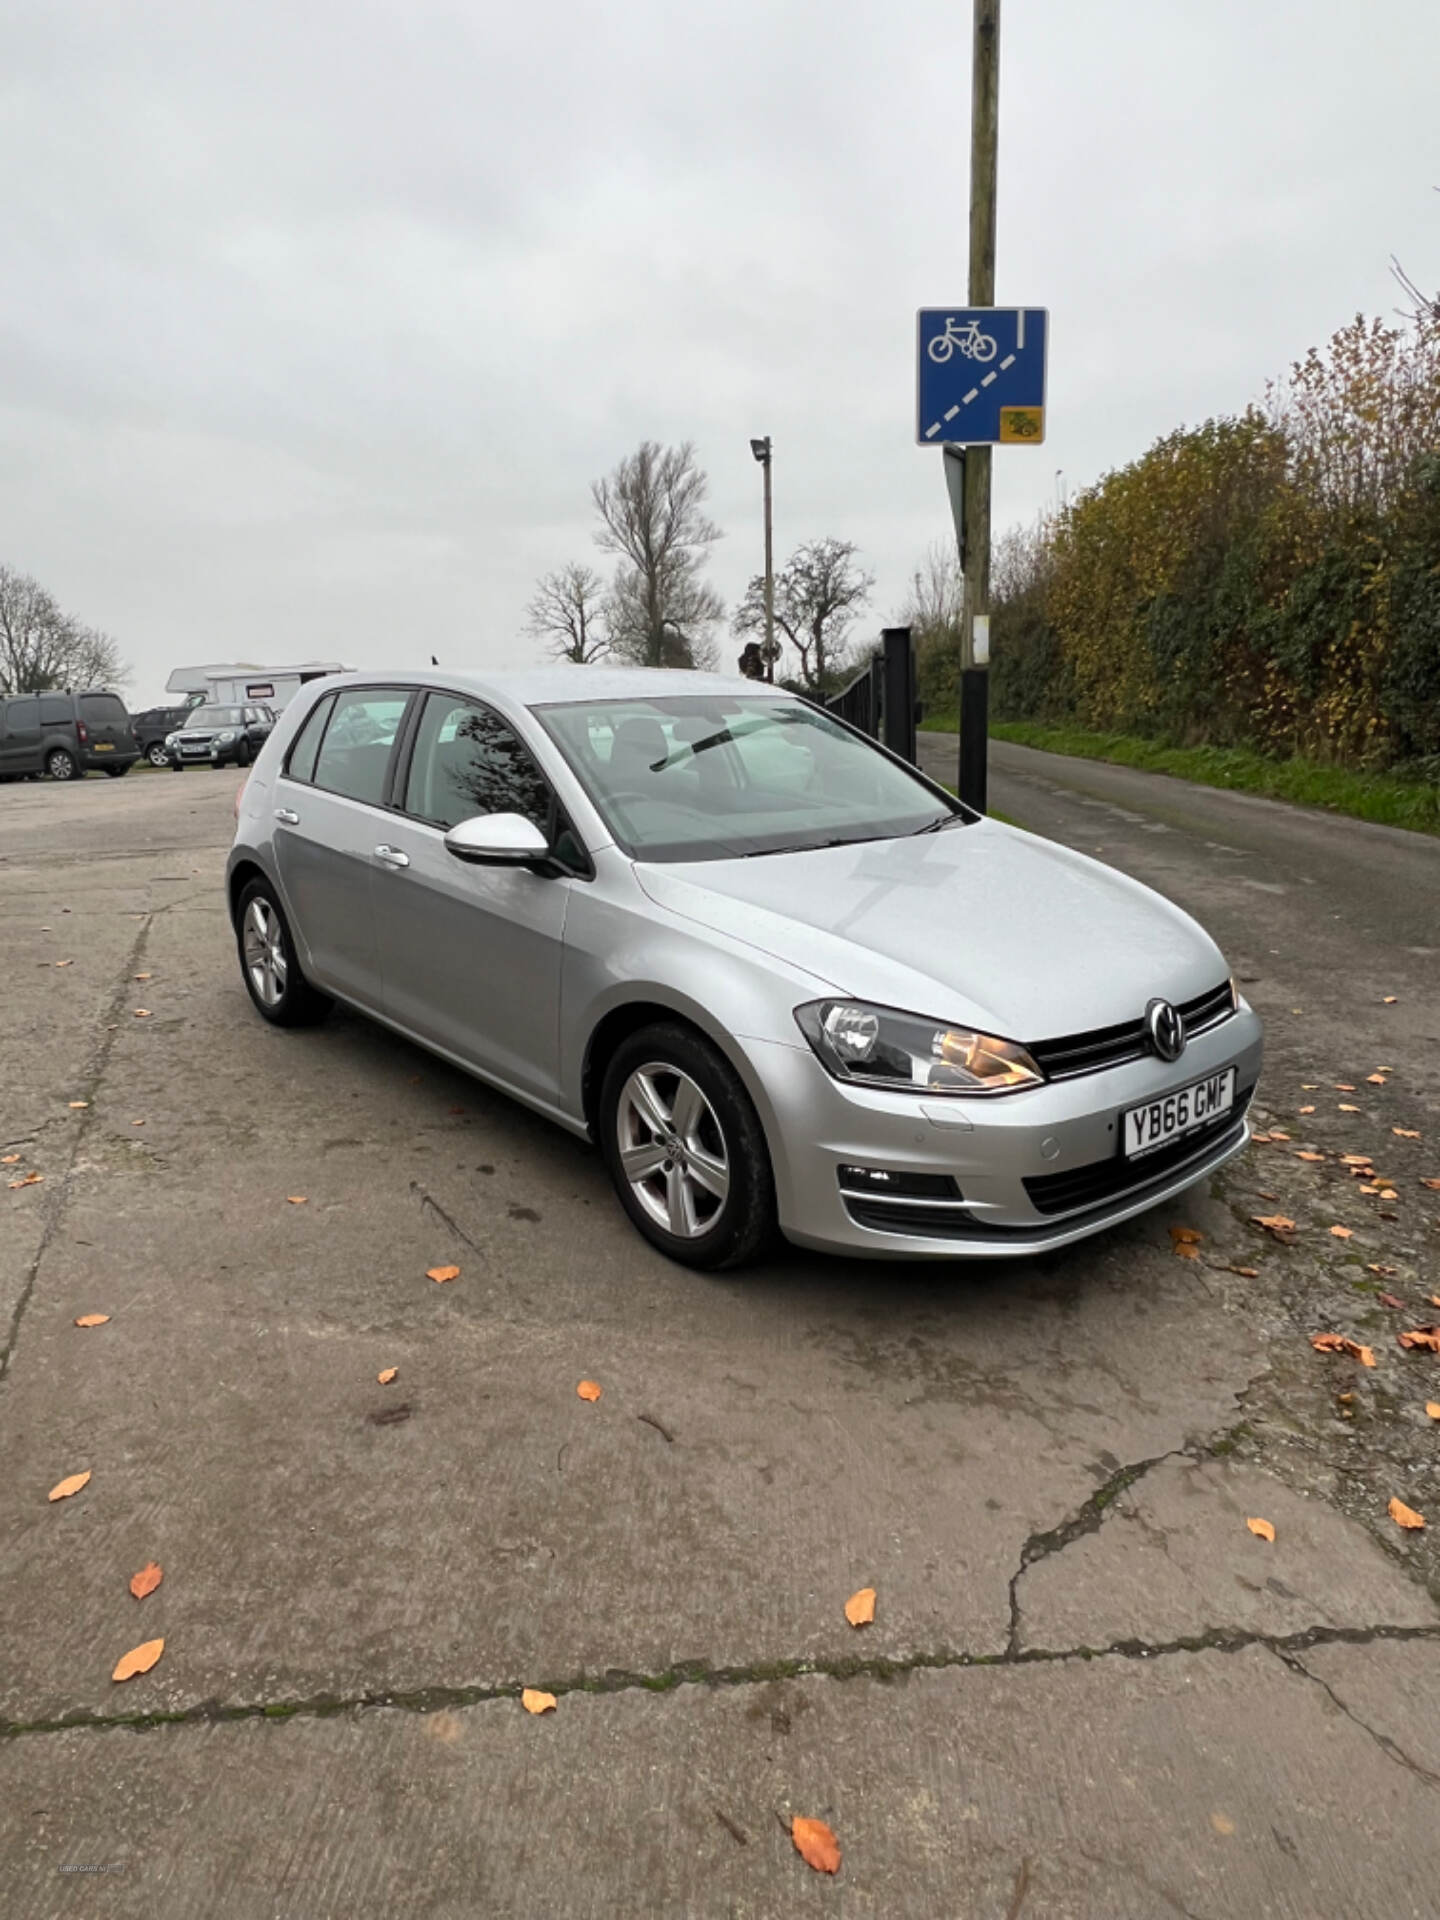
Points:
(541, 686)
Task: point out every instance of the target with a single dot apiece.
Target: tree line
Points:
(656, 609)
(42, 646)
(1269, 579)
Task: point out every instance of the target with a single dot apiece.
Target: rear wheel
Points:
(242, 754)
(157, 755)
(685, 1148)
(279, 990)
(61, 765)
(118, 773)
(175, 767)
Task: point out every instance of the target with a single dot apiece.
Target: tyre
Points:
(157, 755)
(118, 773)
(685, 1148)
(242, 754)
(175, 767)
(280, 992)
(61, 765)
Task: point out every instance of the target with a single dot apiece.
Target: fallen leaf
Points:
(1261, 1528)
(815, 1844)
(1277, 1223)
(589, 1390)
(78, 1103)
(1368, 1188)
(92, 1320)
(1188, 1235)
(860, 1607)
(64, 963)
(1434, 1299)
(138, 1660)
(1310, 1156)
(1387, 1193)
(30, 1180)
(142, 1013)
(9, 1159)
(1343, 1233)
(1343, 1086)
(1342, 1108)
(1425, 1338)
(1245, 1273)
(1356, 1160)
(1405, 1133)
(1277, 1135)
(1434, 1185)
(137, 1123)
(1389, 1300)
(1389, 1000)
(146, 1580)
(1404, 1516)
(296, 1199)
(1432, 1407)
(1328, 1342)
(139, 976)
(386, 1375)
(1187, 1250)
(72, 1485)
(1261, 1139)
(1375, 1079)
(1365, 1355)
(534, 1701)
(442, 1273)
(1309, 1086)
(1379, 1267)
(1305, 1109)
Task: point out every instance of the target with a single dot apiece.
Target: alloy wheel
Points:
(264, 948)
(157, 756)
(672, 1150)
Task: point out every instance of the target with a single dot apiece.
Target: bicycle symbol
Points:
(970, 341)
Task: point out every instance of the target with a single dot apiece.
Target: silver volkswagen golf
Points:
(780, 978)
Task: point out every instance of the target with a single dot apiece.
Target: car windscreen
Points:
(714, 776)
(215, 717)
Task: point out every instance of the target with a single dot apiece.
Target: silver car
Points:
(777, 976)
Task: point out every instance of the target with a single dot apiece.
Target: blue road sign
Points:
(981, 376)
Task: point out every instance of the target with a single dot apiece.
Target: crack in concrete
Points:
(91, 1076)
(1390, 1748)
(428, 1200)
(695, 1673)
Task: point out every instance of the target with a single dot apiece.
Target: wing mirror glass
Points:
(497, 840)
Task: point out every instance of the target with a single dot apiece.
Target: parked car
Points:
(154, 726)
(219, 737)
(65, 734)
(779, 976)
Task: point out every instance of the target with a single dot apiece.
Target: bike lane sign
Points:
(981, 376)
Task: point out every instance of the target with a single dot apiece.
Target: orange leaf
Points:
(1343, 1086)
(1262, 1528)
(1375, 1079)
(139, 1660)
(9, 1159)
(1327, 1342)
(146, 1580)
(1186, 1236)
(142, 1013)
(1379, 1267)
(1261, 1139)
(1389, 1300)
(1276, 1223)
(72, 1485)
(386, 1375)
(1404, 1516)
(1389, 999)
(1342, 1108)
(534, 1701)
(139, 976)
(1432, 1407)
(1365, 1355)
(1245, 1273)
(1406, 1133)
(64, 963)
(296, 1199)
(78, 1103)
(816, 1844)
(442, 1273)
(1356, 1160)
(590, 1390)
(1426, 1338)
(92, 1320)
(1305, 1109)
(1343, 1233)
(1187, 1250)
(1434, 1185)
(860, 1607)
(1387, 1193)
(1309, 1156)
(30, 1180)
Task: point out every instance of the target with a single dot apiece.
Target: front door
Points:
(471, 955)
(20, 735)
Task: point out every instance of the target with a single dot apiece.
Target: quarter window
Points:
(467, 760)
(355, 752)
(102, 708)
(307, 742)
(55, 711)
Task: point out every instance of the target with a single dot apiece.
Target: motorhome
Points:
(234, 683)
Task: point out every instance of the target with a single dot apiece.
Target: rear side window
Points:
(23, 716)
(104, 708)
(55, 710)
(355, 753)
(307, 742)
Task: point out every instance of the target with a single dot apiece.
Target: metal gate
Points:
(880, 700)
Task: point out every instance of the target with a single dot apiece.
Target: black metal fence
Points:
(880, 700)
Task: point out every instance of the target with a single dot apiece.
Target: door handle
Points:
(392, 856)
(290, 819)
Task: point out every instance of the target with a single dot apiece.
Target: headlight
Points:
(172, 739)
(877, 1047)
(224, 739)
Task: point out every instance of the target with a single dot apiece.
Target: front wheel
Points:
(61, 765)
(941, 348)
(685, 1148)
(157, 755)
(242, 754)
(279, 990)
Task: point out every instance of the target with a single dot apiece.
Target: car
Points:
(152, 727)
(779, 977)
(65, 735)
(215, 736)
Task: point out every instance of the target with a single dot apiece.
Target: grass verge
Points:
(1385, 798)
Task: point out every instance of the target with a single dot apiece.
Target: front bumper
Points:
(989, 1148)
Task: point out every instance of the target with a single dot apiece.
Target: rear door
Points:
(471, 955)
(329, 804)
(107, 723)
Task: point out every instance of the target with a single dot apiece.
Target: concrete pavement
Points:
(1089, 1688)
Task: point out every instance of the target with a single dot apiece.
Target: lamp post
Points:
(761, 451)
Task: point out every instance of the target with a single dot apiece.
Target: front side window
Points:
(355, 753)
(23, 716)
(467, 760)
(713, 777)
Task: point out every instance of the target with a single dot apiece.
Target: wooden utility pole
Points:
(975, 621)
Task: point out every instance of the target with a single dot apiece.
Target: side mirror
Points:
(497, 840)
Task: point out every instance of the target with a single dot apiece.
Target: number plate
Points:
(104, 746)
(1172, 1115)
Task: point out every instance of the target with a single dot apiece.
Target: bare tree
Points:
(818, 593)
(42, 647)
(652, 515)
(569, 613)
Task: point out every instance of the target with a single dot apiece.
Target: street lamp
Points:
(762, 452)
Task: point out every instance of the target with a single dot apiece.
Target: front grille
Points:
(1113, 1046)
(1114, 1177)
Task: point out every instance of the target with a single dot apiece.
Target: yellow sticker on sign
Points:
(1022, 426)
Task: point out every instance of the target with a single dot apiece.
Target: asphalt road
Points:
(1089, 1689)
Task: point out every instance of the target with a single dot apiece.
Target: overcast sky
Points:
(316, 320)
